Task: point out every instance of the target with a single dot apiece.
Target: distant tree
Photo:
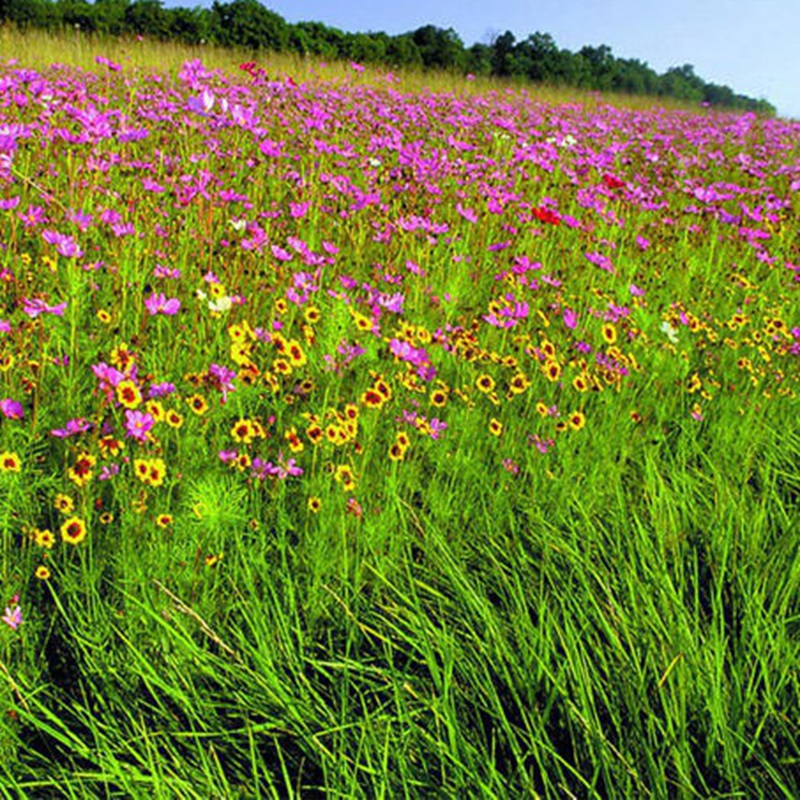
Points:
(367, 47)
(479, 59)
(601, 65)
(248, 24)
(682, 83)
(147, 17)
(633, 77)
(317, 39)
(539, 58)
(110, 16)
(402, 51)
(27, 13)
(503, 54)
(440, 49)
(190, 25)
(78, 14)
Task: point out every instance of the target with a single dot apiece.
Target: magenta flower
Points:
(161, 389)
(13, 616)
(36, 306)
(65, 245)
(108, 376)
(298, 210)
(570, 318)
(222, 378)
(11, 409)
(72, 428)
(468, 214)
(108, 472)
(137, 425)
(158, 303)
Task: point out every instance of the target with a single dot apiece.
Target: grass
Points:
(471, 465)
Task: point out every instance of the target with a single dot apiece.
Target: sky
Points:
(749, 45)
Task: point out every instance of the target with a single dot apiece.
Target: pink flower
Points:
(13, 615)
(36, 306)
(72, 428)
(570, 318)
(137, 425)
(11, 409)
(468, 214)
(157, 303)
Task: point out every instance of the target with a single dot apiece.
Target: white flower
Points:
(670, 332)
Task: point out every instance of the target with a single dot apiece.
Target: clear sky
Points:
(752, 46)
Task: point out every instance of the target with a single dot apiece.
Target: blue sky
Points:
(750, 45)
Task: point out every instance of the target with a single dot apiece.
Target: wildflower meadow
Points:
(367, 440)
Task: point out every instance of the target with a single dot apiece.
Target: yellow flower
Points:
(150, 471)
(485, 383)
(311, 315)
(198, 404)
(609, 333)
(580, 382)
(295, 353)
(173, 418)
(519, 383)
(64, 504)
(10, 462)
(155, 410)
(73, 530)
(577, 420)
(551, 370)
(243, 431)
(495, 427)
(81, 472)
(344, 475)
(42, 573)
(314, 504)
(128, 394)
(44, 538)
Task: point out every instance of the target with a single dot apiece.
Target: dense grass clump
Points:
(358, 441)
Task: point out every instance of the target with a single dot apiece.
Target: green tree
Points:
(147, 17)
(110, 16)
(440, 49)
(503, 54)
(479, 59)
(402, 51)
(27, 13)
(247, 23)
(191, 25)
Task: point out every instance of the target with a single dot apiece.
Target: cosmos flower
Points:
(11, 409)
(158, 303)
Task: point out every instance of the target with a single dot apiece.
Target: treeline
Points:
(248, 24)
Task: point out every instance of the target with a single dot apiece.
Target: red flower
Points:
(546, 215)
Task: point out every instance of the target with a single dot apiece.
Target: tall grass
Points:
(536, 356)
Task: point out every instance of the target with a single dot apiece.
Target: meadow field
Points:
(368, 435)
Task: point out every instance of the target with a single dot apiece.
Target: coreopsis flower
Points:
(128, 394)
(73, 530)
(577, 420)
(81, 472)
(10, 462)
